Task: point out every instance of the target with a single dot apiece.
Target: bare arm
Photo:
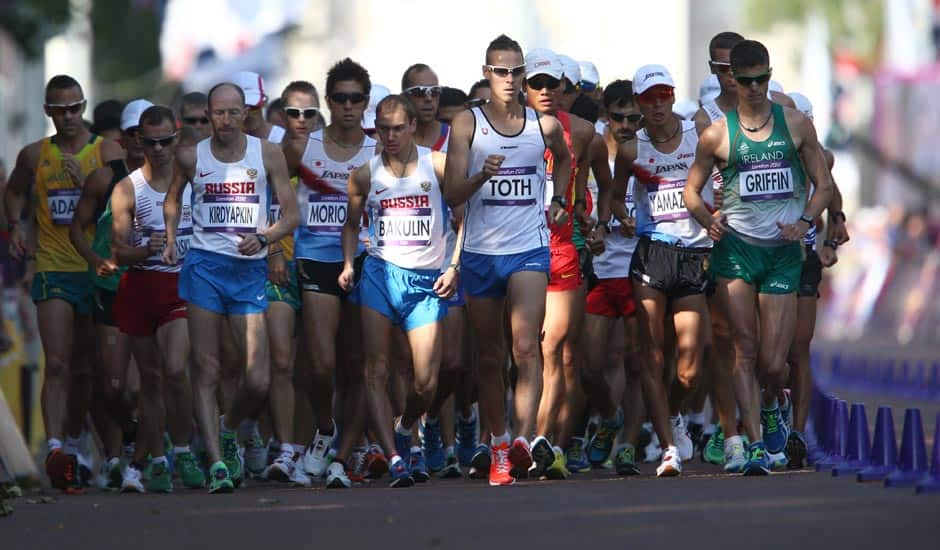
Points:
(700, 176)
(93, 193)
(183, 171)
(276, 168)
(814, 160)
(458, 187)
(623, 169)
(702, 121)
(14, 196)
(357, 190)
(122, 216)
(601, 169)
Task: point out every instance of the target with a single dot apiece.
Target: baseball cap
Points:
(253, 86)
(130, 116)
(589, 72)
(648, 76)
(710, 88)
(775, 87)
(802, 104)
(543, 61)
(378, 93)
(570, 68)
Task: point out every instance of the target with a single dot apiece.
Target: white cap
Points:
(648, 76)
(775, 87)
(253, 86)
(589, 72)
(802, 104)
(378, 93)
(570, 68)
(130, 116)
(710, 88)
(543, 61)
(686, 108)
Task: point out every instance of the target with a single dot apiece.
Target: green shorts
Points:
(289, 294)
(76, 288)
(771, 269)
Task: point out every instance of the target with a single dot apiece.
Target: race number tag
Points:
(511, 187)
(403, 227)
(62, 203)
(765, 180)
(230, 213)
(666, 203)
(327, 213)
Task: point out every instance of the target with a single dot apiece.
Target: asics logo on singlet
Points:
(671, 167)
(776, 143)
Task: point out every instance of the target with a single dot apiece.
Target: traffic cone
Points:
(858, 456)
(817, 437)
(884, 450)
(913, 460)
(931, 483)
(839, 424)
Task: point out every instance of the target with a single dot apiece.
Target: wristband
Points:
(831, 244)
(809, 221)
(836, 215)
(582, 202)
(603, 224)
(262, 240)
(455, 267)
(560, 200)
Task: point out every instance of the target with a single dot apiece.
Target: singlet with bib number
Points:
(148, 219)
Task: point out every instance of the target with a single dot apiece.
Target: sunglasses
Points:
(719, 66)
(747, 80)
(61, 109)
(296, 112)
(586, 86)
(620, 117)
(425, 91)
(518, 70)
(542, 81)
(475, 102)
(164, 141)
(658, 93)
(194, 120)
(342, 98)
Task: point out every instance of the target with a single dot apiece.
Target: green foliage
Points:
(31, 22)
(126, 44)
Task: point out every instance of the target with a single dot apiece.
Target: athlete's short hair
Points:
(192, 99)
(395, 101)
(106, 116)
(187, 136)
(416, 68)
(618, 93)
(62, 82)
(723, 41)
(156, 115)
(347, 69)
(452, 97)
(300, 87)
(482, 83)
(585, 107)
(749, 53)
(276, 106)
(502, 43)
(219, 86)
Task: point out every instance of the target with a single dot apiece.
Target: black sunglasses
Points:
(619, 117)
(475, 102)
(60, 109)
(424, 91)
(518, 70)
(719, 66)
(542, 81)
(307, 112)
(342, 98)
(194, 120)
(746, 80)
(164, 141)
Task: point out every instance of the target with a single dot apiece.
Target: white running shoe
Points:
(336, 477)
(681, 438)
(735, 457)
(281, 469)
(316, 457)
(256, 454)
(133, 482)
(653, 451)
(671, 466)
(298, 476)
(778, 461)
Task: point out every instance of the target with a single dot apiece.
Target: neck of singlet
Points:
(726, 103)
(74, 145)
(404, 158)
(338, 136)
(667, 132)
(233, 147)
(152, 174)
(756, 116)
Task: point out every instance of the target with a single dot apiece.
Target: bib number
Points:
(326, 213)
(230, 213)
(403, 227)
(666, 203)
(766, 181)
(62, 203)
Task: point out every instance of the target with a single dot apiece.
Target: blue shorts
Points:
(406, 296)
(487, 275)
(224, 284)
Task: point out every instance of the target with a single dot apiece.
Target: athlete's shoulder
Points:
(581, 127)
(110, 150)
(186, 155)
(701, 119)
(28, 156)
(462, 122)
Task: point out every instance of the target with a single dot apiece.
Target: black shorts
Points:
(586, 261)
(321, 277)
(675, 271)
(104, 307)
(811, 275)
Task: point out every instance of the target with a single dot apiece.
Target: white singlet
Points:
(614, 263)
(148, 219)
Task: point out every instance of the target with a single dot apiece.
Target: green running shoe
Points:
(558, 469)
(625, 461)
(159, 480)
(230, 456)
(219, 481)
(714, 450)
(189, 471)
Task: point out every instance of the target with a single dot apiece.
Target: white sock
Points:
(499, 440)
(696, 418)
(159, 460)
(449, 450)
(415, 450)
(710, 429)
(181, 449)
(401, 429)
(54, 444)
(396, 459)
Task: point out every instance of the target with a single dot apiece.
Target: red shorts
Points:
(147, 300)
(612, 298)
(565, 272)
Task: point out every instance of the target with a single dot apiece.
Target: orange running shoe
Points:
(62, 470)
(499, 467)
(520, 455)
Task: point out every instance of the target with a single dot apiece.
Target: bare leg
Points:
(526, 301)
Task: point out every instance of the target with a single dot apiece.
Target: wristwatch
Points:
(560, 200)
(809, 221)
(836, 215)
(455, 267)
(605, 225)
(831, 244)
(262, 239)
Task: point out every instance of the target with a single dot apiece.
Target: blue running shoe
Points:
(775, 430)
(419, 467)
(577, 458)
(603, 441)
(433, 446)
(401, 477)
(480, 463)
(758, 463)
(403, 445)
(467, 439)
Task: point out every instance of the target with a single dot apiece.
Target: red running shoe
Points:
(499, 467)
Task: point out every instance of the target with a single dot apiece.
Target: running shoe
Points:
(85, 469)
(576, 457)
(467, 439)
(671, 465)
(316, 458)
(401, 477)
(777, 461)
(714, 450)
(298, 477)
(451, 468)
(231, 457)
(160, 480)
(61, 469)
(357, 472)
(775, 430)
(336, 477)
(500, 466)
(558, 469)
(796, 450)
(652, 451)
(132, 481)
(256, 455)
(113, 473)
(603, 441)
(433, 445)
(542, 457)
(735, 455)
(758, 463)
(520, 457)
(419, 467)
(280, 469)
(696, 432)
(402, 444)
(376, 463)
(189, 471)
(786, 410)
(625, 461)
(481, 462)
(681, 438)
(219, 480)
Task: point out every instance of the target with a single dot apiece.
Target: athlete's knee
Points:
(377, 371)
(151, 377)
(525, 348)
(282, 366)
(177, 374)
(258, 380)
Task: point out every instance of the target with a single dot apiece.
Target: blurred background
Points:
(870, 67)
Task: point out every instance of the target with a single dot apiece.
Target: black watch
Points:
(836, 215)
(809, 221)
(262, 239)
(605, 225)
(831, 244)
(560, 200)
